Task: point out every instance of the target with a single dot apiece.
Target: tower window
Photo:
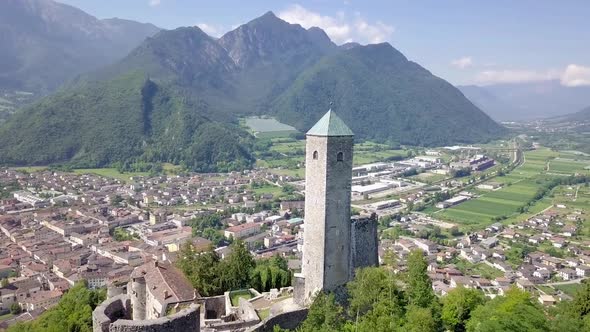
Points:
(340, 156)
(315, 155)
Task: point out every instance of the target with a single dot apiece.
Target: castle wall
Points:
(186, 320)
(137, 293)
(364, 241)
(326, 253)
(113, 308)
(114, 314)
(289, 320)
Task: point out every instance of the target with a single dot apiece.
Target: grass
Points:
(274, 134)
(268, 188)
(481, 269)
(6, 317)
(429, 177)
(366, 157)
(546, 289)
(264, 313)
(569, 289)
(567, 166)
(299, 172)
(30, 169)
(520, 186)
(110, 173)
(236, 295)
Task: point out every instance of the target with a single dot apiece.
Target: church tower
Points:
(326, 261)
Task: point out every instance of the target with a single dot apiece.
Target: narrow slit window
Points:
(340, 156)
(315, 155)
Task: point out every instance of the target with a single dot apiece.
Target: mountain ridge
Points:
(528, 100)
(46, 43)
(264, 67)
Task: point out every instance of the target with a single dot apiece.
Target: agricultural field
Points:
(480, 269)
(519, 187)
(111, 173)
(569, 289)
(286, 154)
(263, 127)
(568, 166)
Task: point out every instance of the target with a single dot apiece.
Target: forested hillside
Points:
(178, 96)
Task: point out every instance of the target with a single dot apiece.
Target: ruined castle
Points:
(160, 299)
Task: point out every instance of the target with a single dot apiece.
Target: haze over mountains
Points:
(177, 98)
(527, 101)
(45, 43)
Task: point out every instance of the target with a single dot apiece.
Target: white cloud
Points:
(212, 30)
(515, 76)
(463, 62)
(575, 75)
(340, 27)
(154, 3)
(571, 76)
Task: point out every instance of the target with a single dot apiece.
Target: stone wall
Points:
(117, 307)
(114, 315)
(186, 320)
(299, 289)
(214, 307)
(289, 320)
(326, 243)
(364, 241)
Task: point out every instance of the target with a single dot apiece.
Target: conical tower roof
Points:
(330, 125)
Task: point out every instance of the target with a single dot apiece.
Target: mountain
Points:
(531, 100)
(177, 98)
(579, 116)
(385, 97)
(45, 43)
(492, 105)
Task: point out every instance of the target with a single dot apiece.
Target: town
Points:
(59, 228)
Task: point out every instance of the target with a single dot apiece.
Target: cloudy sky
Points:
(462, 41)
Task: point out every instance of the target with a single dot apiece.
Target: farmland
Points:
(285, 155)
(519, 187)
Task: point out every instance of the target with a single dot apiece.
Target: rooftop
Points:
(330, 125)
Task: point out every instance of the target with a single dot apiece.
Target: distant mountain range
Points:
(44, 43)
(177, 97)
(527, 101)
(579, 116)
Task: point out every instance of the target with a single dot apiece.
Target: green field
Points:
(480, 269)
(298, 172)
(110, 173)
(268, 189)
(236, 295)
(569, 289)
(263, 127)
(289, 152)
(6, 316)
(30, 169)
(568, 166)
(520, 186)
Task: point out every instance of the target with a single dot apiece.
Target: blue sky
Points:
(462, 41)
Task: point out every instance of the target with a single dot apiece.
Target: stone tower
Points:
(327, 256)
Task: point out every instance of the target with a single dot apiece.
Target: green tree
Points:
(514, 312)
(237, 267)
(457, 307)
(376, 303)
(324, 315)
(420, 320)
(73, 313)
(573, 316)
(4, 282)
(15, 309)
(419, 288)
(202, 269)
